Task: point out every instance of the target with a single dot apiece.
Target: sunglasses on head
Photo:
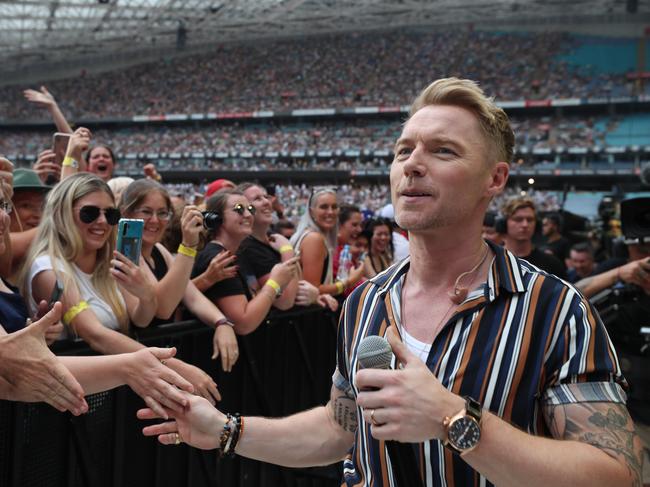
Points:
(89, 214)
(240, 209)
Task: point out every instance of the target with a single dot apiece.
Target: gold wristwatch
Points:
(463, 430)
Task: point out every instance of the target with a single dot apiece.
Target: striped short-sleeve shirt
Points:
(514, 344)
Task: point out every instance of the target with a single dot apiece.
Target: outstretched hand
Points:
(33, 373)
(42, 98)
(409, 403)
(199, 425)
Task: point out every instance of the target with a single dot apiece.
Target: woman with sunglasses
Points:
(150, 201)
(139, 370)
(102, 290)
(378, 231)
(260, 251)
(230, 221)
(316, 239)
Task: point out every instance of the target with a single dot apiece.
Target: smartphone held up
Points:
(129, 238)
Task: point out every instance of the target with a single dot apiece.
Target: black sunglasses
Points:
(239, 209)
(89, 214)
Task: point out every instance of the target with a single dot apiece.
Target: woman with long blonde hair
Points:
(102, 290)
(316, 240)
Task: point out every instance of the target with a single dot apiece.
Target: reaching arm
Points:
(44, 98)
(247, 315)
(319, 436)
(171, 288)
(635, 272)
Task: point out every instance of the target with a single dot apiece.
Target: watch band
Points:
(473, 408)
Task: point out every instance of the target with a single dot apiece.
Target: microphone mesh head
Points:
(374, 353)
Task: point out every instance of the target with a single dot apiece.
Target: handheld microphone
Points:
(376, 353)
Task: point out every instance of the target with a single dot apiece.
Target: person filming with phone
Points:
(103, 291)
(148, 200)
(502, 373)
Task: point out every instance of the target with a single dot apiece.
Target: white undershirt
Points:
(421, 349)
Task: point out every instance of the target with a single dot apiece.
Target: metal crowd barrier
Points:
(285, 366)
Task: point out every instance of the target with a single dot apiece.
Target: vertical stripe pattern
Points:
(513, 347)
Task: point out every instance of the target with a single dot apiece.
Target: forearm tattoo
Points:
(344, 409)
(607, 426)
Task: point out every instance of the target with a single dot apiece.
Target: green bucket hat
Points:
(28, 179)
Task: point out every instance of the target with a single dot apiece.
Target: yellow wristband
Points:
(187, 251)
(340, 287)
(69, 162)
(286, 248)
(72, 312)
(273, 284)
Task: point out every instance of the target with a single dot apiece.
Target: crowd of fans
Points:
(377, 68)
(358, 134)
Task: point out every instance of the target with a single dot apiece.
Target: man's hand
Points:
(636, 272)
(33, 373)
(199, 425)
(410, 403)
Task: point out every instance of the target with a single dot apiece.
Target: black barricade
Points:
(284, 367)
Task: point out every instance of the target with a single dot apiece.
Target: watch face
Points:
(464, 433)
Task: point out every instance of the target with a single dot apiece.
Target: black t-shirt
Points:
(159, 270)
(227, 287)
(560, 248)
(546, 262)
(257, 257)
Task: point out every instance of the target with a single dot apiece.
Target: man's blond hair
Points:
(516, 203)
(465, 93)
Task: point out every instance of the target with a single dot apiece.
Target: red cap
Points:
(216, 185)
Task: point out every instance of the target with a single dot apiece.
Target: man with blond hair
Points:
(520, 218)
(504, 375)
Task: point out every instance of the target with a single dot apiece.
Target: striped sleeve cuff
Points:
(584, 392)
(342, 384)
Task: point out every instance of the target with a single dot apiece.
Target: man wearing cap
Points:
(28, 201)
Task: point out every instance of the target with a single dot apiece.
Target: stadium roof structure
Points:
(35, 32)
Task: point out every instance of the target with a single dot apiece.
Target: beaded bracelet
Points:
(230, 435)
(72, 312)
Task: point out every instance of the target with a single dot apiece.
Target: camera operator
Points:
(636, 269)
